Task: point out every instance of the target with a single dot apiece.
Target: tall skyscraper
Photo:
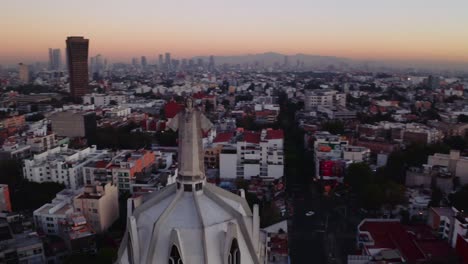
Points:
(160, 60)
(168, 60)
(55, 59)
(144, 62)
(211, 64)
(77, 58)
(23, 73)
(135, 62)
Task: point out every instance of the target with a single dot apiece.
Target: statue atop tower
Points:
(191, 123)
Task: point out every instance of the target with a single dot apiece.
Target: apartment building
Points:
(333, 154)
(323, 97)
(51, 217)
(104, 99)
(13, 121)
(455, 164)
(74, 123)
(120, 169)
(253, 154)
(18, 243)
(41, 143)
(99, 204)
(61, 165)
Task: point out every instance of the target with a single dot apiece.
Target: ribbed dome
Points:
(201, 224)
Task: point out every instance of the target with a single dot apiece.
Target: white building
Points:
(51, 217)
(356, 153)
(254, 154)
(333, 155)
(118, 112)
(61, 165)
(323, 97)
(104, 99)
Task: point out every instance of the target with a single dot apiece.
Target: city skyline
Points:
(397, 30)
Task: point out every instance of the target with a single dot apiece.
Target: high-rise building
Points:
(135, 62)
(200, 62)
(144, 62)
(77, 58)
(286, 61)
(168, 60)
(55, 59)
(211, 63)
(23, 73)
(160, 60)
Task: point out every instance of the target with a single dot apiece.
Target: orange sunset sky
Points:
(122, 29)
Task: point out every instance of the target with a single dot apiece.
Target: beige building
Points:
(40, 144)
(99, 204)
(455, 164)
(23, 73)
(73, 124)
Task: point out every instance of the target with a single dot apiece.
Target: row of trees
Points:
(373, 190)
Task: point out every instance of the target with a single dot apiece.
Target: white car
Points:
(310, 213)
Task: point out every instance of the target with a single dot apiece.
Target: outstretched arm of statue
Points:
(174, 123)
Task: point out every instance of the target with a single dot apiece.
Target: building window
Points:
(187, 187)
(234, 253)
(175, 258)
(198, 186)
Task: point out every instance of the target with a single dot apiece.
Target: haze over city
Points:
(234, 131)
(363, 29)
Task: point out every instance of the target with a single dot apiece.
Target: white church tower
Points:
(192, 221)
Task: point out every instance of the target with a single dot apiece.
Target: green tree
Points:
(462, 118)
(460, 199)
(456, 142)
(358, 175)
(373, 196)
(335, 127)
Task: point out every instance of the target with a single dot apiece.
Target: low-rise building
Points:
(18, 243)
(16, 121)
(74, 124)
(5, 202)
(323, 97)
(61, 165)
(50, 218)
(253, 154)
(99, 204)
(104, 99)
(42, 143)
(456, 164)
(388, 241)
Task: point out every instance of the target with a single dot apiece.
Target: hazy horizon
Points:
(397, 30)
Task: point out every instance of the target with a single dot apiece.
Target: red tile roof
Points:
(101, 164)
(171, 109)
(223, 137)
(251, 137)
(392, 235)
(275, 134)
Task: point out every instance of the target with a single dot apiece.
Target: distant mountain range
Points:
(270, 58)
